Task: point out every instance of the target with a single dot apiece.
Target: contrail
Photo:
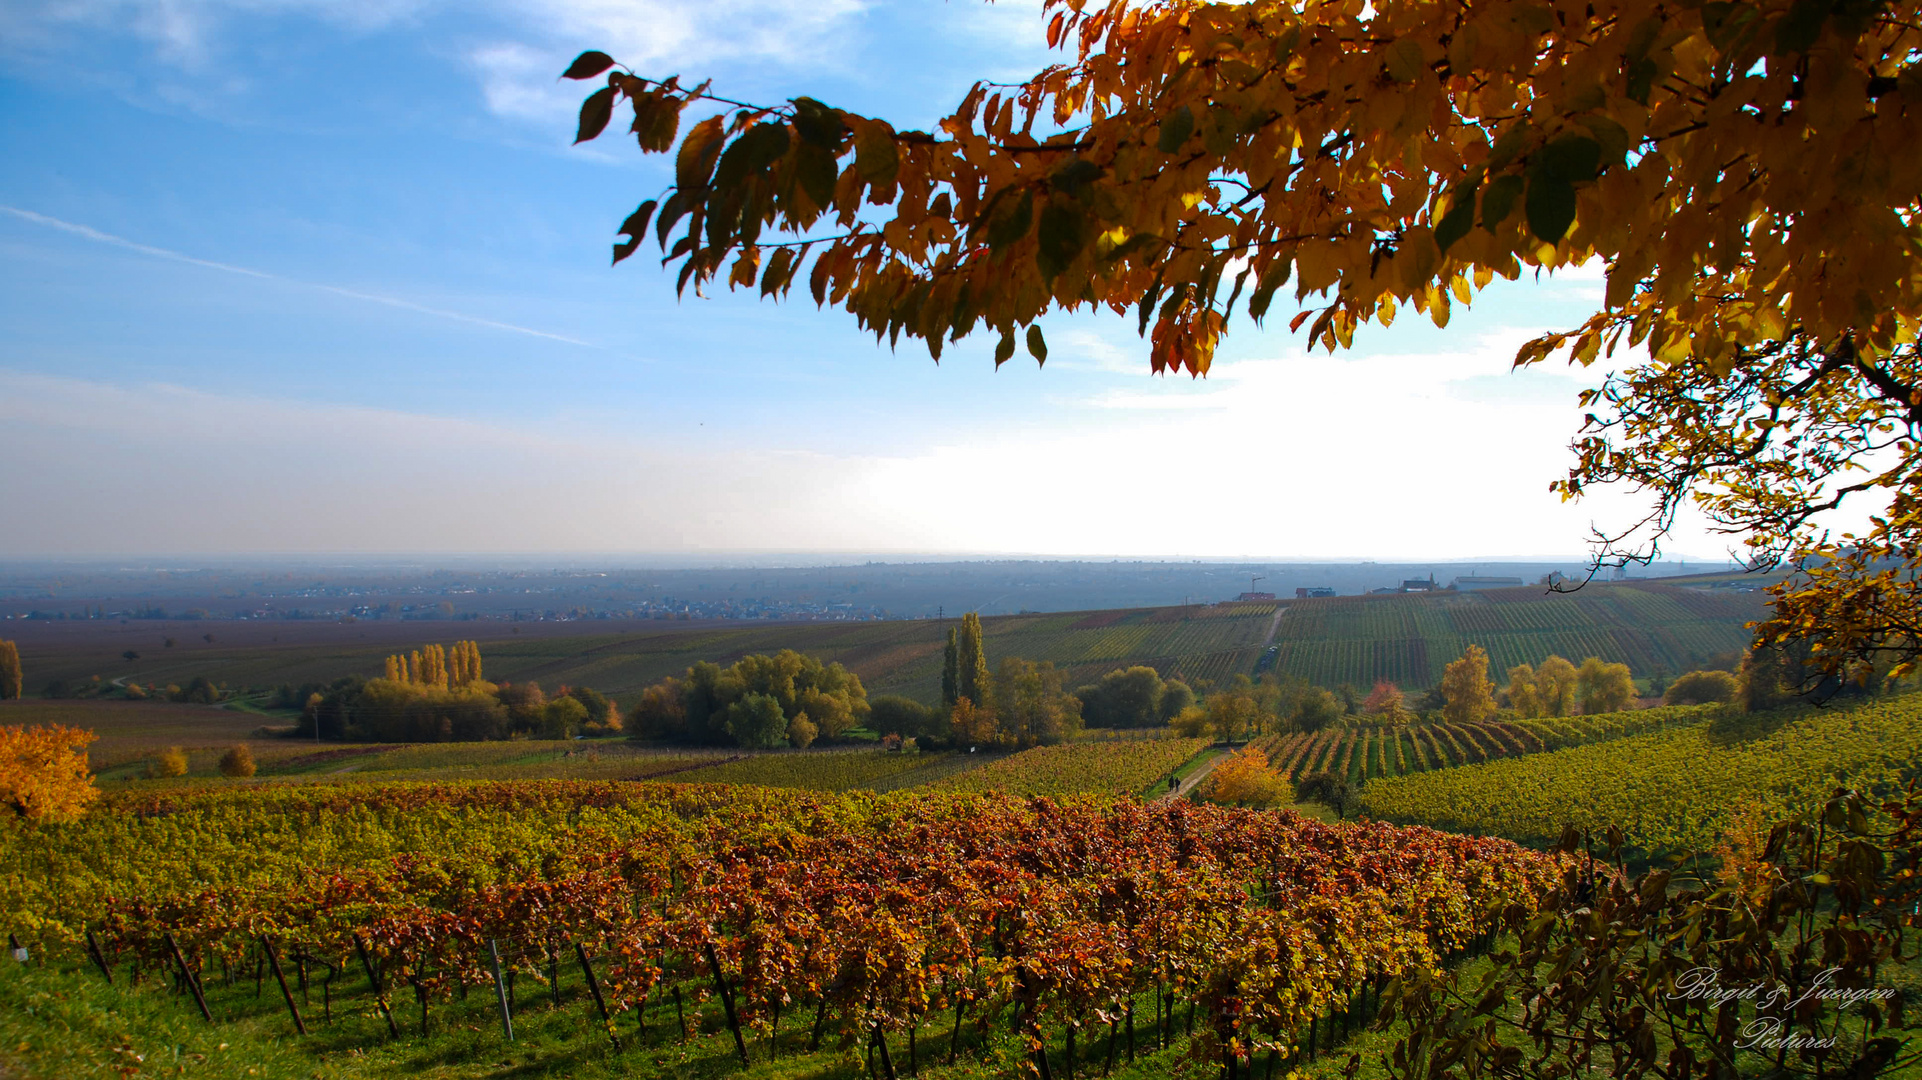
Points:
(163, 253)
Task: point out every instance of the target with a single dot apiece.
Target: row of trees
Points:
(438, 695)
(382, 710)
(437, 667)
(765, 701)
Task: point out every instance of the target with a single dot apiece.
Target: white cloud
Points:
(650, 36)
(183, 32)
(519, 47)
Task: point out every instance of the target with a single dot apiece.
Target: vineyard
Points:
(1675, 789)
(1408, 639)
(1109, 768)
(1362, 753)
(830, 770)
(762, 924)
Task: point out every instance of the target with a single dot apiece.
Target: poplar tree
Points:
(972, 680)
(950, 673)
(12, 681)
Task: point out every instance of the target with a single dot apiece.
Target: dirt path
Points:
(1189, 781)
(1274, 627)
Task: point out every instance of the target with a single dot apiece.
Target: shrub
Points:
(170, 762)
(1702, 687)
(1192, 723)
(892, 714)
(801, 732)
(237, 762)
(562, 717)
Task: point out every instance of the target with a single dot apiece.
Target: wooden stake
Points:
(500, 991)
(373, 979)
(727, 1002)
(954, 1043)
(187, 973)
(281, 978)
(93, 949)
(594, 988)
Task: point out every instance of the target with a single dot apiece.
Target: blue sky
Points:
(291, 276)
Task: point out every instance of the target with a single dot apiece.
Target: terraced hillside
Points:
(1409, 638)
(1677, 789)
(1366, 753)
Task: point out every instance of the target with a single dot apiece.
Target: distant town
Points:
(842, 593)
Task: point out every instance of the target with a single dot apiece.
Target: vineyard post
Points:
(679, 1012)
(727, 1004)
(554, 973)
(281, 978)
(187, 973)
(594, 988)
(881, 1041)
(500, 990)
(93, 950)
(373, 980)
(954, 1042)
(820, 1017)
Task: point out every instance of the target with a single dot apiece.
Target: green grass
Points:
(61, 1023)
